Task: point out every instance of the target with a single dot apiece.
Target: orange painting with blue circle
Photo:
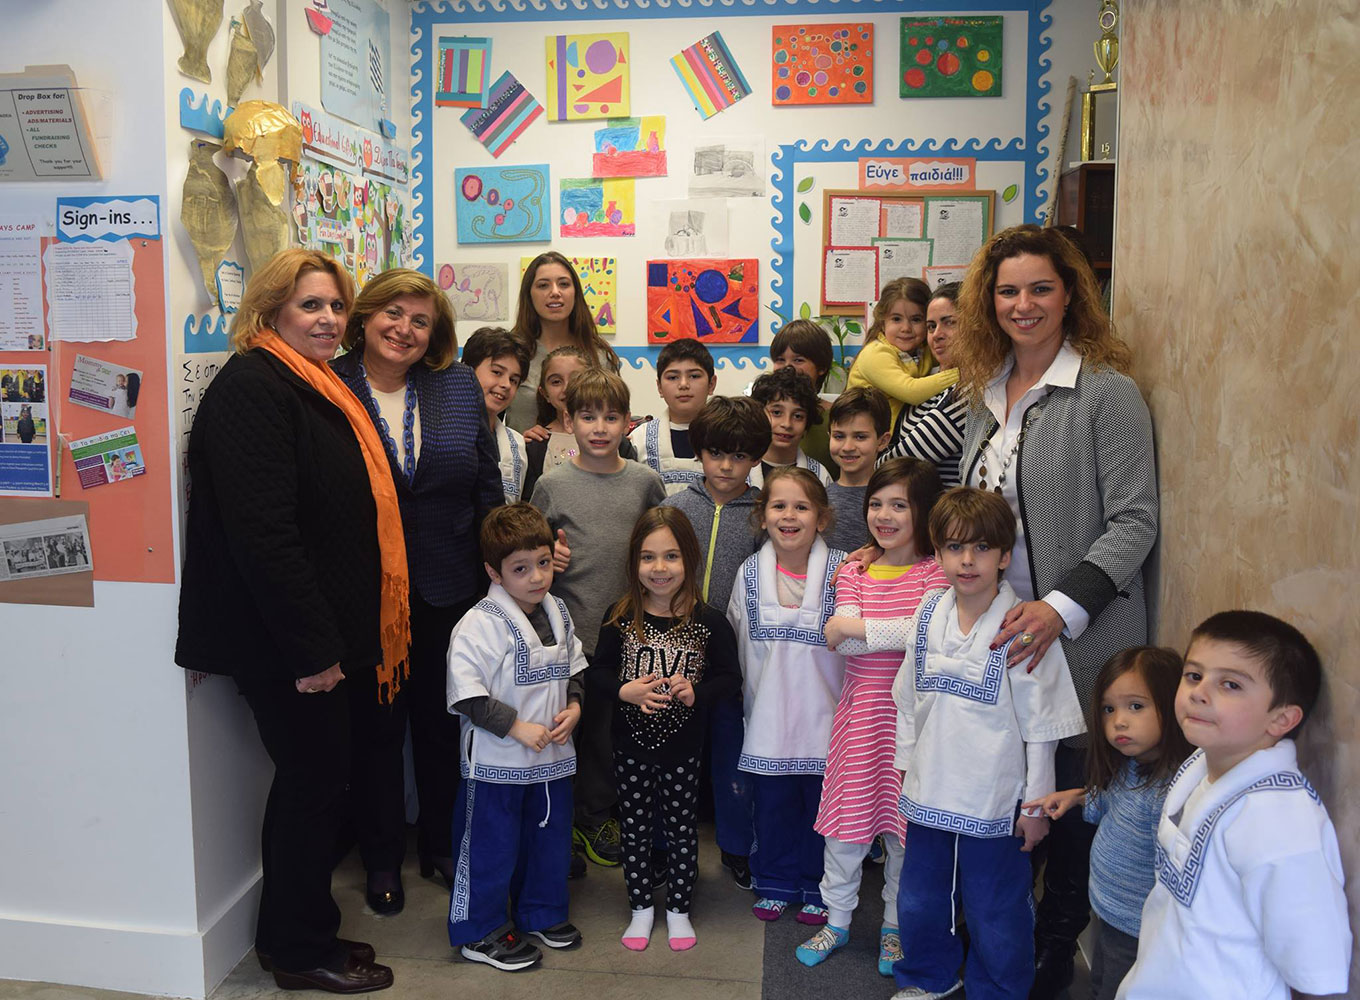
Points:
(822, 64)
(716, 301)
(950, 57)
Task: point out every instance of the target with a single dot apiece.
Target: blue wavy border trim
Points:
(1031, 150)
(753, 356)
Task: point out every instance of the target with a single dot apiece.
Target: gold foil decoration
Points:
(261, 33)
(264, 224)
(242, 64)
(266, 133)
(197, 22)
(208, 211)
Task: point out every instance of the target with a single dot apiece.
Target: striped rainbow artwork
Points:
(508, 112)
(710, 75)
(464, 70)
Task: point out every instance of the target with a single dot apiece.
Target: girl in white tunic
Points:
(780, 603)
(499, 361)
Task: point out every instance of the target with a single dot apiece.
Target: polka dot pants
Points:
(646, 791)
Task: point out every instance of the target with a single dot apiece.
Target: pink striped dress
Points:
(861, 787)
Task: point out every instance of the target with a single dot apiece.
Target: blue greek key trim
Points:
(775, 766)
(992, 672)
(558, 670)
(511, 486)
(461, 900)
(498, 775)
(941, 819)
(651, 441)
(788, 633)
(815, 467)
(1183, 882)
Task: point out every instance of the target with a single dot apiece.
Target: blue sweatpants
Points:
(993, 881)
(786, 859)
(731, 787)
(513, 842)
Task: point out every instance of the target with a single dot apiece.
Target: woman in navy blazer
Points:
(429, 412)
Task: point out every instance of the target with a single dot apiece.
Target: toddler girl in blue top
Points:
(1129, 772)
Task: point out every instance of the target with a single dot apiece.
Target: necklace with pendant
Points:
(1009, 457)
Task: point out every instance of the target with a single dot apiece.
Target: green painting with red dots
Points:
(822, 64)
(951, 57)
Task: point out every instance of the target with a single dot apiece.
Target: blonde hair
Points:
(270, 288)
(393, 284)
(981, 346)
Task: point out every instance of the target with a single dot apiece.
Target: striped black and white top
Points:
(932, 432)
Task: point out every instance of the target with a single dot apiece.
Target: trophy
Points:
(1107, 45)
(1098, 132)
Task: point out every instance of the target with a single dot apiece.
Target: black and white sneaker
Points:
(661, 868)
(739, 867)
(503, 949)
(562, 935)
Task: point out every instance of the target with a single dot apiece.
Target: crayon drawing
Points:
(631, 147)
(502, 204)
(710, 76)
(715, 301)
(951, 57)
(464, 72)
(476, 291)
(600, 285)
(597, 206)
(508, 112)
(822, 64)
(587, 76)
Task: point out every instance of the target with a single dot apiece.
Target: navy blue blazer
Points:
(457, 479)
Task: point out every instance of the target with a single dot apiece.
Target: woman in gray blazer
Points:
(1058, 429)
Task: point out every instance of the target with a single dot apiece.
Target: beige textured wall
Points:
(1238, 285)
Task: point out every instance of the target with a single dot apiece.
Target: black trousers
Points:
(307, 737)
(1066, 858)
(594, 788)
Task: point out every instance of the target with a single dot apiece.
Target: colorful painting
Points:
(598, 206)
(464, 72)
(355, 219)
(715, 301)
(631, 147)
(476, 291)
(502, 204)
(507, 113)
(710, 76)
(587, 76)
(822, 64)
(600, 285)
(951, 57)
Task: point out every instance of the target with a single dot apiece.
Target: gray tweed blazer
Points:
(1087, 482)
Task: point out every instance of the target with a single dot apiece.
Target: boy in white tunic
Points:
(1249, 896)
(685, 379)
(512, 673)
(974, 740)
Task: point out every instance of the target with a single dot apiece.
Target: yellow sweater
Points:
(880, 365)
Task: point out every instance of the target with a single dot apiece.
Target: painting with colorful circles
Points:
(587, 76)
(822, 64)
(502, 204)
(715, 301)
(951, 57)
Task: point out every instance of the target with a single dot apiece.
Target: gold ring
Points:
(1026, 638)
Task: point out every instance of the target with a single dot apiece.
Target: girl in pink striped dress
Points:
(859, 798)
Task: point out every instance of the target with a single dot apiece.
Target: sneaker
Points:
(877, 854)
(739, 867)
(889, 950)
(577, 866)
(503, 949)
(818, 948)
(561, 935)
(661, 868)
(601, 843)
(916, 993)
(813, 916)
(769, 909)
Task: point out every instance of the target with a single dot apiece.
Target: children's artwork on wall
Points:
(822, 64)
(710, 76)
(597, 206)
(476, 291)
(951, 57)
(587, 76)
(599, 286)
(631, 147)
(464, 72)
(692, 227)
(502, 204)
(508, 112)
(730, 168)
(715, 300)
(358, 221)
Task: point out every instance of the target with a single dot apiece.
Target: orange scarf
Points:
(395, 609)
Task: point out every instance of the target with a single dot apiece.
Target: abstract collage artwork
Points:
(951, 57)
(587, 76)
(502, 204)
(464, 72)
(509, 110)
(715, 301)
(822, 64)
(710, 76)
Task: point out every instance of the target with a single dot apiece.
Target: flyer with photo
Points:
(107, 458)
(104, 386)
(50, 547)
(25, 454)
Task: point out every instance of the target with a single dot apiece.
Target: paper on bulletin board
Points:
(21, 322)
(959, 227)
(25, 432)
(902, 259)
(44, 130)
(943, 275)
(355, 76)
(45, 553)
(111, 457)
(104, 386)
(854, 222)
(849, 276)
(91, 294)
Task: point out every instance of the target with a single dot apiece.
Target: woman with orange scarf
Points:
(295, 584)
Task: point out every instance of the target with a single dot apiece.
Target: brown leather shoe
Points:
(360, 951)
(356, 977)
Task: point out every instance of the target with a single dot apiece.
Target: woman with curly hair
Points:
(1058, 428)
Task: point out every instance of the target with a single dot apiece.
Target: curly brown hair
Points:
(981, 346)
